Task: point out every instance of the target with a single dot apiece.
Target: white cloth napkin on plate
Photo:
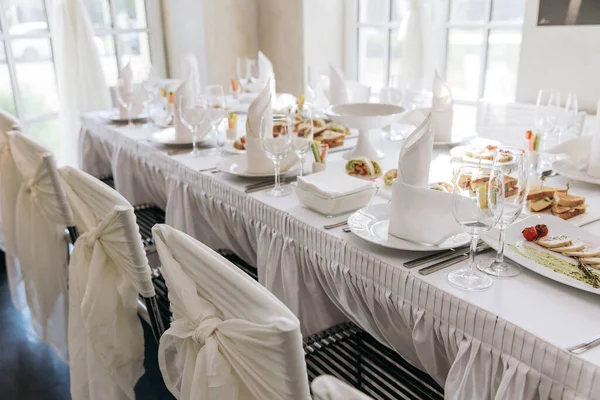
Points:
(182, 132)
(190, 71)
(342, 91)
(333, 183)
(442, 110)
(126, 74)
(420, 214)
(258, 162)
(578, 150)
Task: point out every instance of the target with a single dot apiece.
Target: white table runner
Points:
(502, 343)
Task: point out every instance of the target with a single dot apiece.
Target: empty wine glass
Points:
(302, 135)
(477, 205)
(254, 73)
(193, 112)
(216, 108)
(276, 141)
(243, 72)
(126, 94)
(569, 115)
(547, 111)
(515, 174)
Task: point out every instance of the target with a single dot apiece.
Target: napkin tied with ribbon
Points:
(442, 110)
(419, 214)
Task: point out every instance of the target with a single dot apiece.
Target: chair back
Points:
(41, 215)
(230, 337)
(107, 270)
(326, 387)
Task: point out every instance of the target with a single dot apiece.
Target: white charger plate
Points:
(167, 137)
(237, 164)
(556, 227)
(566, 168)
(371, 224)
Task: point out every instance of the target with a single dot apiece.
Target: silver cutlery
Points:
(454, 260)
(207, 169)
(339, 150)
(585, 346)
(270, 182)
(269, 186)
(436, 256)
(336, 225)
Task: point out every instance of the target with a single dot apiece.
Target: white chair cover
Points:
(42, 214)
(327, 387)
(230, 338)
(10, 182)
(108, 269)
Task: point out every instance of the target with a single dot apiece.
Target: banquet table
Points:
(507, 342)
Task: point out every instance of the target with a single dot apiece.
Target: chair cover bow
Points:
(206, 329)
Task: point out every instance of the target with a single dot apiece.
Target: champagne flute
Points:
(216, 109)
(547, 110)
(243, 72)
(515, 174)
(193, 112)
(302, 135)
(477, 212)
(126, 97)
(276, 142)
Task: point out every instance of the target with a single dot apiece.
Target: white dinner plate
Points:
(237, 164)
(115, 117)
(458, 154)
(371, 224)
(458, 138)
(566, 168)
(167, 137)
(556, 227)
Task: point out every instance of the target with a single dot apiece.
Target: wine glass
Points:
(547, 111)
(302, 135)
(477, 212)
(243, 72)
(569, 114)
(276, 142)
(515, 175)
(254, 73)
(126, 94)
(216, 108)
(193, 112)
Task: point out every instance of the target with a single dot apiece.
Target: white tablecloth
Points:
(507, 342)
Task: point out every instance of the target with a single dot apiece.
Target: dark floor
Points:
(29, 370)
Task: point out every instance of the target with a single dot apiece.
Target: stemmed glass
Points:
(569, 114)
(243, 72)
(276, 142)
(126, 94)
(477, 209)
(193, 112)
(515, 175)
(216, 109)
(302, 135)
(547, 110)
(254, 73)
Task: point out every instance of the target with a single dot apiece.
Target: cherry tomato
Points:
(530, 233)
(542, 230)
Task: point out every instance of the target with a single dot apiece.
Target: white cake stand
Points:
(364, 117)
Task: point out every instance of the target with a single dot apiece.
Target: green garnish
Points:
(315, 150)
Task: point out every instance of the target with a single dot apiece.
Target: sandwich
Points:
(240, 143)
(338, 128)
(511, 187)
(331, 138)
(442, 187)
(363, 167)
(390, 176)
(568, 212)
(567, 206)
(537, 192)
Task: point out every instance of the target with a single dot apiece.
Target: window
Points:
(480, 55)
(27, 75)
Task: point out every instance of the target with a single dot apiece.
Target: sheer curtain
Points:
(81, 83)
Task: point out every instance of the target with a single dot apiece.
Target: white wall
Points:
(566, 58)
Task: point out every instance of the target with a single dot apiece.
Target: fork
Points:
(585, 346)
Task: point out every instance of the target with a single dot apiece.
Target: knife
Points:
(437, 256)
(454, 260)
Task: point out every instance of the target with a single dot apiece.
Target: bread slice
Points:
(537, 192)
(511, 191)
(587, 252)
(568, 200)
(332, 126)
(331, 138)
(572, 247)
(550, 242)
(593, 262)
(541, 204)
(568, 212)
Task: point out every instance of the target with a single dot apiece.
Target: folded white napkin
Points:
(342, 91)
(126, 74)
(420, 214)
(442, 110)
(594, 163)
(182, 132)
(258, 162)
(333, 183)
(578, 150)
(190, 71)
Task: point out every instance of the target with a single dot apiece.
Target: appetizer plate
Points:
(237, 164)
(517, 247)
(566, 168)
(167, 137)
(371, 224)
(459, 155)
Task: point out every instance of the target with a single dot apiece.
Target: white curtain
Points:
(107, 270)
(42, 214)
(81, 83)
(230, 338)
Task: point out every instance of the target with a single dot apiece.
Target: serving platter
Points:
(371, 224)
(518, 249)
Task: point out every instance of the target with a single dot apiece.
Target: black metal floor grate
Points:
(148, 215)
(109, 180)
